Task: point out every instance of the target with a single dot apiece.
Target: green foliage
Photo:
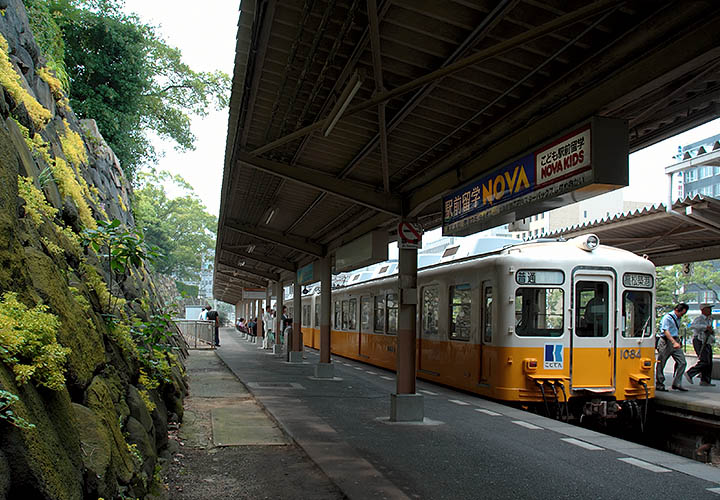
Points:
(7, 399)
(28, 343)
(154, 334)
(127, 78)
(186, 290)
(49, 37)
(672, 285)
(180, 227)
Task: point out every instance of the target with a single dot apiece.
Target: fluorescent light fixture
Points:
(353, 85)
(250, 248)
(270, 216)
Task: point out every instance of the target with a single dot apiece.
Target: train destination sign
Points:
(591, 159)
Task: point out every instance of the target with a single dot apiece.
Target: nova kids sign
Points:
(590, 160)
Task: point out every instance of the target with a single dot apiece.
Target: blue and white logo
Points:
(553, 357)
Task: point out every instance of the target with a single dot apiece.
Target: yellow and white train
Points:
(535, 324)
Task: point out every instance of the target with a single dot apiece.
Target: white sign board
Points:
(409, 235)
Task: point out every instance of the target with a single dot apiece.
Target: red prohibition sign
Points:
(408, 232)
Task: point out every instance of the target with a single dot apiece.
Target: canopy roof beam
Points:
(278, 238)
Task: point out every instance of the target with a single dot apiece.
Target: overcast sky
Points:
(205, 33)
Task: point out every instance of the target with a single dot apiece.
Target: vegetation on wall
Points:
(121, 73)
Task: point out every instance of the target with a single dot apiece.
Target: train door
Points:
(429, 339)
(593, 338)
(486, 335)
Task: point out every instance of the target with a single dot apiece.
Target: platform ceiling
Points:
(449, 90)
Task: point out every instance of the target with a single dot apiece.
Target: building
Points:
(697, 168)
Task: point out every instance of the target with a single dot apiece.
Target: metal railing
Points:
(197, 333)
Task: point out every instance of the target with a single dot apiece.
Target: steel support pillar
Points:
(406, 405)
(296, 350)
(260, 328)
(325, 368)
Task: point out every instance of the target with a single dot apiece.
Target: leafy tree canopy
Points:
(121, 73)
(672, 285)
(180, 227)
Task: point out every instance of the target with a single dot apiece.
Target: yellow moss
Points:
(36, 206)
(12, 83)
(73, 146)
(55, 87)
(147, 383)
(73, 186)
(72, 239)
(122, 204)
(28, 343)
(96, 283)
(53, 248)
(120, 333)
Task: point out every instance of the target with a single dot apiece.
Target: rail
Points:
(197, 333)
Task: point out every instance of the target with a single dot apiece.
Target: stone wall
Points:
(103, 433)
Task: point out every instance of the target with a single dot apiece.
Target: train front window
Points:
(539, 312)
(591, 309)
(637, 314)
(460, 309)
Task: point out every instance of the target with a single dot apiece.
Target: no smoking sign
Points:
(409, 235)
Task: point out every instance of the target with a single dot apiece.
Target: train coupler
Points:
(601, 408)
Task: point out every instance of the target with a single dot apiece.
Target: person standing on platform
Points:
(703, 339)
(215, 318)
(669, 345)
(203, 313)
(267, 325)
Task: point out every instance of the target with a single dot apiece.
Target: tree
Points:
(180, 227)
(123, 75)
(673, 286)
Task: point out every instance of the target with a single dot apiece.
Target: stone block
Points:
(296, 357)
(407, 408)
(324, 370)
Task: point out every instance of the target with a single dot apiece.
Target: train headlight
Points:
(530, 365)
(588, 242)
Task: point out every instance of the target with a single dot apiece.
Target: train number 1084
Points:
(630, 354)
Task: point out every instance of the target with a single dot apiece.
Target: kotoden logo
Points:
(553, 357)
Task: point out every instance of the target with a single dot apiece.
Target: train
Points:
(563, 327)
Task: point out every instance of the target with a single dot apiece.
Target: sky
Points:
(205, 34)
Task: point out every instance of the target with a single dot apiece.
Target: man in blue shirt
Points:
(669, 345)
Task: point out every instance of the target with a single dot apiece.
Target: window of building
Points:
(460, 311)
(706, 172)
(366, 314)
(637, 314)
(450, 251)
(717, 191)
(591, 309)
(430, 310)
(379, 314)
(707, 296)
(392, 313)
(488, 301)
(336, 322)
(352, 314)
(585, 214)
(691, 175)
(707, 191)
(539, 312)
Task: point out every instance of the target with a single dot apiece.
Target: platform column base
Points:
(277, 349)
(324, 370)
(407, 408)
(296, 357)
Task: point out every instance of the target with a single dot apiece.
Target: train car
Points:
(562, 326)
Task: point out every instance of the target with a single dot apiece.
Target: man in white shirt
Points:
(703, 340)
(268, 324)
(203, 313)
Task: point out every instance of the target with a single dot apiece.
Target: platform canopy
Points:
(346, 115)
(690, 232)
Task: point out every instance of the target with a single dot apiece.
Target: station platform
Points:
(467, 447)
(700, 401)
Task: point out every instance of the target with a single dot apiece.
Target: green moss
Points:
(147, 383)
(12, 83)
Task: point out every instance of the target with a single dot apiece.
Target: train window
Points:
(539, 312)
(317, 313)
(449, 252)
(460, 310)
(345, 314)
(336, 323)
(637, 314)
(392, 313)
(366, 314)
(430, 310)
(591, 309)
(487, 330)
(306, 315)
(379, 326)
(352, 314)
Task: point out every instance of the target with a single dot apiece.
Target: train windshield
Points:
(637, 314)
(539, 312)
(591, 309)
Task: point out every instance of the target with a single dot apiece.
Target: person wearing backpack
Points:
(669, 345)
(213, 316)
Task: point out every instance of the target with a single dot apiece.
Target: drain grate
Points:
(274, 385)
